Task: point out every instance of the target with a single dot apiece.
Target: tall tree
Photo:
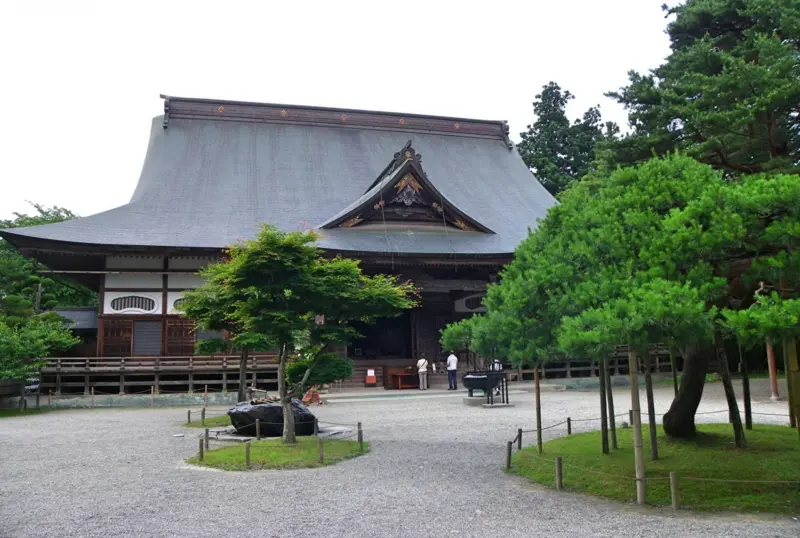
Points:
(672, 220)
(559, 152)
(279, 291)
(728, 94)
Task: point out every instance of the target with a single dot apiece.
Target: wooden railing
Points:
(156, 364)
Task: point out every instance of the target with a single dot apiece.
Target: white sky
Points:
(81, 80)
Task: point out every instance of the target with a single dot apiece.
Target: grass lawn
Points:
(273, 454)
(211, 422)
(773, 454)
(15, 413)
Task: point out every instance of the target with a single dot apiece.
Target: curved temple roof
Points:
(215, 170)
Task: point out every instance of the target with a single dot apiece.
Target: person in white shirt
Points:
(422, 370)
(452, 366)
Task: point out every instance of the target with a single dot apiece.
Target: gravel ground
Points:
(435, 470)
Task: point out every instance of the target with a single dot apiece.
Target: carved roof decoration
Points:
(404, 184)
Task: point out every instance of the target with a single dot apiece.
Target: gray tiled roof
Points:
(208, 183)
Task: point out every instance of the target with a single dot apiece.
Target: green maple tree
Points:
(278, 292)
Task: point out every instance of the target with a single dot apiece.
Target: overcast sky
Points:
(81, 80)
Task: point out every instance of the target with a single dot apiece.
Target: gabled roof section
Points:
(404, 193)
(220, 169)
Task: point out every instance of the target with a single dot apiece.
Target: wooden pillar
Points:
(191, 382)
(773, 372)
(86, 385)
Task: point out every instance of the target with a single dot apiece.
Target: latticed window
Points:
(117, 338)
(133, 302)
(180, 336)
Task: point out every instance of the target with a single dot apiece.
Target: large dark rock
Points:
(244, 415)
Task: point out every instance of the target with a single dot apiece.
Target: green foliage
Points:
(771, 317)
(19, 280)
(458, 336)
(557, 151)
(23, 346)
(326, 368)
(728, 94)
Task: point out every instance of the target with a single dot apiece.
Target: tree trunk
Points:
(610, 399)
(773, 371)
(603, 414)
(538, 396)
(674, 368)
(243, 357)
(748, 406)
(638, 450)
(289, 437)
(730, 395)
(679, 420)
(651, 405)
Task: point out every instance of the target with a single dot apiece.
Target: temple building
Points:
(441, 201)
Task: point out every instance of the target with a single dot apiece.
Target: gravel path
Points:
(435, 470)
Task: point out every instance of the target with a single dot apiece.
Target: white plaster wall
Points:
(188, 263)
(184, 281)
(154, 263)
(111, 295)
(132, 280)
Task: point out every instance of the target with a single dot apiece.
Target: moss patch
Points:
(273, 454)
(773, 454)
(15, 413)
(210, 422)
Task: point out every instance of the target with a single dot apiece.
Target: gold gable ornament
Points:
(349, 223)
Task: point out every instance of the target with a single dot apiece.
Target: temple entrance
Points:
(388, 338)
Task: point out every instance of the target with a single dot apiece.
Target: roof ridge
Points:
(200, 108)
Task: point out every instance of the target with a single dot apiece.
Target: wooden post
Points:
(360, 438)
(316, 427)
(748, 407)
(203, 416)
(773, 371)
(792, 368)
(636, 423)
(651, 406)
(206, 438)
(189, 416)
(508, 454)
(92, 389)
(152, 396)
(258, 429)
(673, 490)
(50, 398)
(247, 454)
(538, 411)
(603, 406)
(321, 451)
(519, 438)
(559, 473)
(200, 450)
(612, 421)
(205, 397)
(569, 426)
